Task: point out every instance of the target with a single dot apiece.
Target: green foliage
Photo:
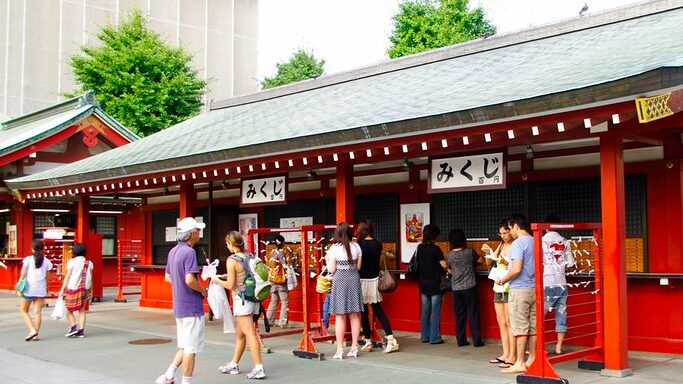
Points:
(422, 25)
(301, 66)
(139, 80)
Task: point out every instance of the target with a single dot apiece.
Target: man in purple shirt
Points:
(188, 296)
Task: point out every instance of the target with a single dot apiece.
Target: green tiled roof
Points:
(550, 60)
(28, 129)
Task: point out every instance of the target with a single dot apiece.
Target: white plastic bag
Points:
(218, 301)
(291, 278)
(59, 310)
(210, 270)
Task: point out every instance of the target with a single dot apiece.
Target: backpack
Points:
(256, 284)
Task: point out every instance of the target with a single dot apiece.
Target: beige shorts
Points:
(244, 307)
(190, 333)
(522, 308)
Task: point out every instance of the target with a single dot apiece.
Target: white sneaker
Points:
(392, 346)
(367, 347)
(230, 368)
(163, 380)
(282, 323)
(256, 374)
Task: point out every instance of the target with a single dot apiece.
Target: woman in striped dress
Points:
(343, 262)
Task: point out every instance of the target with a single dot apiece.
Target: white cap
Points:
(187, 224)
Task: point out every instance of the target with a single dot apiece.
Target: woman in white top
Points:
(35, 268)
(346, 298)
(72, 280)
(500, 299)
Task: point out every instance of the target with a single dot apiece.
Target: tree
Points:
(138, 79)
(422, 25)
(301, 66)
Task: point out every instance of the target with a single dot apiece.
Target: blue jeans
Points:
(556, 298)
(430, 318)
(326, 311)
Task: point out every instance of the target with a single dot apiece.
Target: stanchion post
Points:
(119, 262)
(540, 371)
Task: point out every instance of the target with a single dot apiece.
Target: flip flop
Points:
(512, 369)
(505, 364)
(497, 361)
(31, 336)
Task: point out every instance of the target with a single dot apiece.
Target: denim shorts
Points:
(500, 297)
(556, 298)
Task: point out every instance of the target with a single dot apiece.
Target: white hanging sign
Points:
(265, 191)
(467, 173)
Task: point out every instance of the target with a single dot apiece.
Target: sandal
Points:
(352, 353)
(512, 369)
(497, 360)
(339, 355)
(31, 336)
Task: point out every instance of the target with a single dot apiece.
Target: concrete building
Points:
(38, 38)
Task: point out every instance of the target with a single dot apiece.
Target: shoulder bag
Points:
(387, 282)
(74, 298)
(411, 270)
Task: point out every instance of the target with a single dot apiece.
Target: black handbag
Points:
(411, 270)
(446, 281)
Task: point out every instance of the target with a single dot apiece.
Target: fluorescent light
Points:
(4, 210)
(305, 160)
(49, 210)
(465, 140)
(368, 152)
(351, 155)
(320, 159)
(511, 134)
(444, 143)
(587, 122)
(560, 127)
(335, 157)
(108, 212)
(277, 166)
(487, 137)
(32, 155)
(404, 147)
(534, 130)
(424, 146)
(386, 151)
(615, 118)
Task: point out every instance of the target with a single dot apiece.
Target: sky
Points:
(349, 34)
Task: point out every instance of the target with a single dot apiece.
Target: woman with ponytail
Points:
(35, 269)
(344, 262)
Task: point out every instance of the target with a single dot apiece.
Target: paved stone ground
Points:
(105, 355)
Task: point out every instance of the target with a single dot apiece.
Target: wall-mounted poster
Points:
(295, 222)
(413, 218)
(12, 232)
(248, 221)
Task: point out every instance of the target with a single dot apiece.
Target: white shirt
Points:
(337, 252)
(557, 255)
(75, 265)
(36, 283)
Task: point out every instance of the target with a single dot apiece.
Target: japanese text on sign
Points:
(467, 172)
(264, 191)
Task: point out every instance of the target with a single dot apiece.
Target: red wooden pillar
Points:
(614, 254)
(83, 219)
(187, 199)
(23, 219)
(344, 193)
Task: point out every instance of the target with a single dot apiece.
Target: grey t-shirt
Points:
(461, 264)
